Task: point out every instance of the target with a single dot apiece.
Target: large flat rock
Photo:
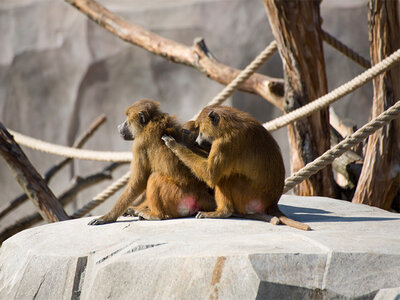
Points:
(353, 252)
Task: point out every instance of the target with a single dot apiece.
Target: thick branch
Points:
(296, 26)
(196, 56)
(29, 179)
(80, 141)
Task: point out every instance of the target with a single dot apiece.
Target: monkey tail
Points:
(275, 211)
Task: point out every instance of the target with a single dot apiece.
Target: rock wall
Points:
(59, 71)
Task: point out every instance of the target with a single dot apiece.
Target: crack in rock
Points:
(38, 289)
(143, 247)
(79, 277)
(134, 249)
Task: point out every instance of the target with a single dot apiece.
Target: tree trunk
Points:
(380, 180)
(30, 180)
(296, 27)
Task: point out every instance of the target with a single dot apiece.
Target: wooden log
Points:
(380, 177)
(297, 30)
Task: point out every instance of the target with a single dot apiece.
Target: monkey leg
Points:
(223, 198)
(131, 192)
(152, 207)
(205, 200)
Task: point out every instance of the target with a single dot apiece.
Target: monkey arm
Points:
(136, 186)
(195, 162)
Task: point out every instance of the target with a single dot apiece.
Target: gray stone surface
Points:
(59, 71)
(353, 252)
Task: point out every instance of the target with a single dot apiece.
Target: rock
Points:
(353, 252)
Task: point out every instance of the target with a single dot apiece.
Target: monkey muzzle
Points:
(125, 132)
(203, 142)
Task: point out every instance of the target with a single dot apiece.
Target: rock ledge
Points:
(352, 252)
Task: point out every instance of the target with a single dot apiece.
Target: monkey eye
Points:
(214, 117)
(142, 118)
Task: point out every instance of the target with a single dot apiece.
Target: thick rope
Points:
(243, 75)
(71, 152)
(354, 139)
(338, 45)
(336, 94)
(104, 195)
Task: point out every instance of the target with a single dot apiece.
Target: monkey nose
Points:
(199, 140)
(120, 126)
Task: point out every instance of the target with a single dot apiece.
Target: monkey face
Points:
(207, 124)
(125, 131)
(137, 117)
(203, 142)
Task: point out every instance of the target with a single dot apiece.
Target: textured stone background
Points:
(59, 71)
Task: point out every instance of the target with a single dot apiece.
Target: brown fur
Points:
(245, 165)
(171, 190)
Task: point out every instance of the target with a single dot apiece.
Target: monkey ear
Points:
(143, 119)
(214, 117)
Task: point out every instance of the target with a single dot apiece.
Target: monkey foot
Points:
(147, 216)
(213, 215)
(130, 212)
(98, 222)
(275, 221)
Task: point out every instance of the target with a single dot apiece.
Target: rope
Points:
(334, 95)
(71, 152)
(330, 155)
(243, 75)
(338, 45)
(104, 195)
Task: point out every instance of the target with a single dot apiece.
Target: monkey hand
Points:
(170, 142)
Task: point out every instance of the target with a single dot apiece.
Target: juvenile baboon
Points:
(171, 190)
(244, 166)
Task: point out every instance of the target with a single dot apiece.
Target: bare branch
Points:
(81, 183)
(197, 56)
(80, 141)
(29, 179)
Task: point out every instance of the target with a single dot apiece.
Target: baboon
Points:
(171, 190)
(244, 166)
